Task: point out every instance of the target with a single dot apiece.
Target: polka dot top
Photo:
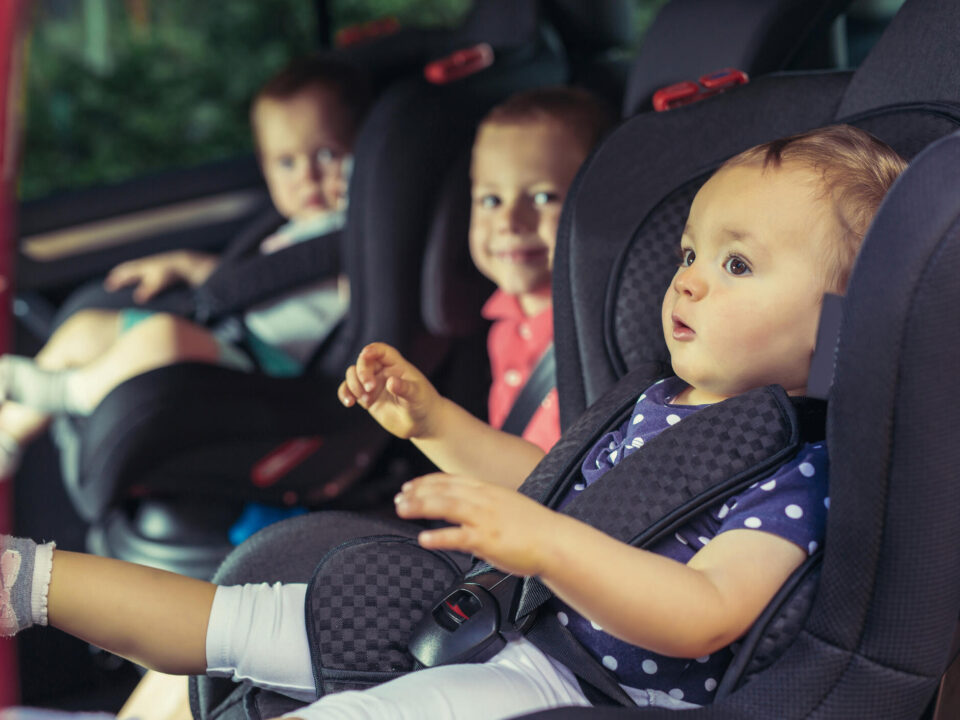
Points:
(792, 503)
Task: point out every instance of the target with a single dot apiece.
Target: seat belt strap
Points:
(542, 380)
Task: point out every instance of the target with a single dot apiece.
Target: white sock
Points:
(11, 453)
(52, 391)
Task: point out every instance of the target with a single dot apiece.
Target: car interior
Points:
(165, 464)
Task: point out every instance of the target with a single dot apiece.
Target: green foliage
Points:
(171, 92)
(409, 12)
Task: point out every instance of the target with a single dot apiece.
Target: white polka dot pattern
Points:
(790, 503)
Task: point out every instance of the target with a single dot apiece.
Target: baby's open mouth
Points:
(681, 331)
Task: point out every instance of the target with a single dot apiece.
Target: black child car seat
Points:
(873, 639)
(879, 629)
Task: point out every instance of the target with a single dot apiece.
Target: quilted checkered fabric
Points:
(713, 453)
(649, 261)
(363, 602)
(564, 458)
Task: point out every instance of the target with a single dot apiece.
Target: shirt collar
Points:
(503, 306)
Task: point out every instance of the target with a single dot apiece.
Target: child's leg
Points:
(163, 621)
(155, 618)
(81, 338)
(157, 341)
(518, 680)
(158, 697)
(150, 616)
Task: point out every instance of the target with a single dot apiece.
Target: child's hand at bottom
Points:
(505, 528)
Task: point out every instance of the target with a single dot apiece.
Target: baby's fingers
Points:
(368, 368)
(346, 398)
(403, 390)
(449, 538)
(440, 497)
(148, 288)
(351, 390)
(120, 277)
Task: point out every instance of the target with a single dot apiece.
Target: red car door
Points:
(11, 19)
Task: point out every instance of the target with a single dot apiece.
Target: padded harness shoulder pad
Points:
(363, 601)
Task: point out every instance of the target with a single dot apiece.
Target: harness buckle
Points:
(467, 624)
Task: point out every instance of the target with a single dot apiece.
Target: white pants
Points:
(257, 634)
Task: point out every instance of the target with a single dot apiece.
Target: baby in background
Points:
(304, 121)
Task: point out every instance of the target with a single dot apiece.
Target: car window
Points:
(122, 88)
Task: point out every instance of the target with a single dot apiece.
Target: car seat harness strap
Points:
(541, 382)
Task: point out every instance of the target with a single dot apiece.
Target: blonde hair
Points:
(856, 170)
(587, 117)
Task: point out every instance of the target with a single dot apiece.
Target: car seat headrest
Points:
(925, 31)
(501, 23)
(453, 290)
(758, 37)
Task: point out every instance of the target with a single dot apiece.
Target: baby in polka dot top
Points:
(768, 234)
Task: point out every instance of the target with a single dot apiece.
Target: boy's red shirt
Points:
(515, 344)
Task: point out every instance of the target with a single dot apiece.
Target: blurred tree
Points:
(117, 89)
(121, 88)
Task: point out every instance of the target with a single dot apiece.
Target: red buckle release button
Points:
(285, 458)
(726, 78)
(459, 64)
(675, 95)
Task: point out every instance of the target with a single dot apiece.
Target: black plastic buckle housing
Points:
(467, 625)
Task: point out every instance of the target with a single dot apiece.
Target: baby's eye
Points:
(488, 201)
(286, 161)
(736, 266)
(325, 156)
(687, 256)
(544, 197)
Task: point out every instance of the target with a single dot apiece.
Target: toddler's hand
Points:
(505, 528)
(398, 395)
(156, 273)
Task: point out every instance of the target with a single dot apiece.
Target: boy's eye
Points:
(736, 265)
(687, 256)
(545, 198)
(286, 161)
(488, 201)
